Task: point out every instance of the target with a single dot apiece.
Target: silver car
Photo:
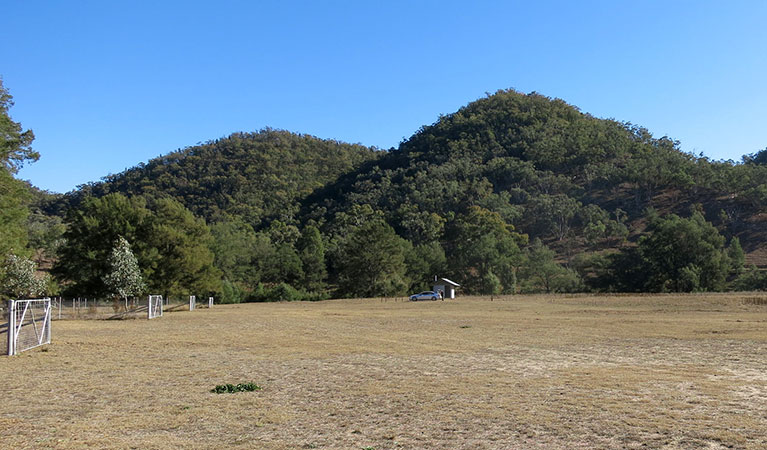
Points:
(426, 295)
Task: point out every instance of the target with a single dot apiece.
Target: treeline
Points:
(512, 193)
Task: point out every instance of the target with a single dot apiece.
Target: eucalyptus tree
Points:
(124, 279)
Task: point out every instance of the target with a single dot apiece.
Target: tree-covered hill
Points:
(512, 193)
(552, 171)
(256, 176)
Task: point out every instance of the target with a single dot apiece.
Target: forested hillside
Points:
(552, 171)
(585, 187)
(256, 176)
(512, 193)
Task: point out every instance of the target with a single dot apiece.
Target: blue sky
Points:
(108, 84)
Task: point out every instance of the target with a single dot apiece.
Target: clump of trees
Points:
(675, 255)
(171, 246)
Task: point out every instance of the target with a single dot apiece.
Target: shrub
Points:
(751, 280)
(232, 388)
(230, 292)
(284, 292)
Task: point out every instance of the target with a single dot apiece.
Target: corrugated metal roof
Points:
(450, 282)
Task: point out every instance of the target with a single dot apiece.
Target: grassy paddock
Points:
(517, 372)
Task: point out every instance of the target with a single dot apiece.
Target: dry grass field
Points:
(517, 372)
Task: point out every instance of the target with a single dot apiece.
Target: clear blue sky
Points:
(108, 84)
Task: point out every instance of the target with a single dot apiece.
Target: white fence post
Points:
(11, 327)
(210, 302)
(47, 322)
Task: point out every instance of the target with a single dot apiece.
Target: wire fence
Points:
(90, 308)
(29, 325)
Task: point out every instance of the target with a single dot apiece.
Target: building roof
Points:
(453, 283)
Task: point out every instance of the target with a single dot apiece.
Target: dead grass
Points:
(517, 372)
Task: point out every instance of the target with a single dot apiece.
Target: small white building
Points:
(446, 286)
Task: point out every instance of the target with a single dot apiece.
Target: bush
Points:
(230, 292)
(284, 292)
(751, 280)
(232, 388)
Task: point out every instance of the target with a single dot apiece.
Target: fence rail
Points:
(26, 324)
(89, 308)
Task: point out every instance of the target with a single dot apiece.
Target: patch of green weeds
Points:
(232, 388)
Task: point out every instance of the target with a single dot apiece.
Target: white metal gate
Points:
(155, 306)
(29, 324)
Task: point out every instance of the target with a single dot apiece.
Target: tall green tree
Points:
(284, 266)
(737, 255)
(184, 260)
(15, 150)
(234, 244)
(311, 251)
(424, 262)
(15, 143)
(484, 251)
(683, 255)
(541, 273)
(372, 262)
